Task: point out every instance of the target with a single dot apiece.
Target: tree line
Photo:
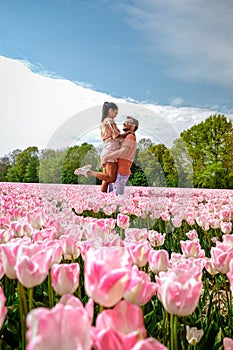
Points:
(201, 157)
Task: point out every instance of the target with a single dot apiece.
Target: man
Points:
(125, 155)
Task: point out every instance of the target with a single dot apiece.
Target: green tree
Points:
(207, 147)
(228, 159)
(32, 170)
(144, 144)
(151, 167)
(183, 176)
(27, 165)
(51, 165)
(170, 170)
(5, 164)
(137, 177)
(76, 157)
(12, 173)
(158, 165)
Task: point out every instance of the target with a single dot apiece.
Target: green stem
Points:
(122, 233)
(184, 330)
(175, 320)
(229, 301)
(23, 309)
(50, 291)
(148, 222)
(173, 332)
(79, 292)
(101, 308)
(30, 298)
(165, 323)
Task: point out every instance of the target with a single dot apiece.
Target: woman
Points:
(111, 137)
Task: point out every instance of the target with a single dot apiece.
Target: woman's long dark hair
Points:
(106, 107)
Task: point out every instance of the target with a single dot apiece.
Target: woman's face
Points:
(112, 113)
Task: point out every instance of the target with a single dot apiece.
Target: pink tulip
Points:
(100, 227)
(37, 218)
(5, 235)
(228, 240)
(155, 238)
(62, 327)
(107, 274)
(165, 215)
(214, 223)
(193, 266)
(210, 267)
(124, 323)
(225, 213)
(108, 339)
(221, 256)
(33, 270)
(226, 227)
(192, 234)
(158, 260)
(140, 289)
(149, 344)
(3, 308)
(227, 343)
(179, 291)
(56, 251)
(203, 221)
(113, 240)
(192, 249)
(71, 300)
(70, 248)
(190, 219)
(9, 254)
(41, 235)
(109, 209)
(5, 221)
(123, 221)
(136, 234)
(139, 252)
(177, 220)
(65, 278)
(20, 229)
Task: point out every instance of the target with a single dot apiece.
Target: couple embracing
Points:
(118, 152)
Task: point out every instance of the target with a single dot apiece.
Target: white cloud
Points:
(177, 101)
(193, 39)
(41, 111)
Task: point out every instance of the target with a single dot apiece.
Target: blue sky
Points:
(169, 52)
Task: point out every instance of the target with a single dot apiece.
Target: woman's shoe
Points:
(83, 170)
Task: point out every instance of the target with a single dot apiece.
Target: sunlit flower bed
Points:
(149, 270)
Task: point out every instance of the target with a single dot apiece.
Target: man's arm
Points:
(119, 153)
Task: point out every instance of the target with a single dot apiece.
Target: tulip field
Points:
(85, 270)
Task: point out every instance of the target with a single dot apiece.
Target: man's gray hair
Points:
(134, 121)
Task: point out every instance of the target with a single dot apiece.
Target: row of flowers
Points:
(81, 269)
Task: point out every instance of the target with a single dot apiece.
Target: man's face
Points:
(128, 125)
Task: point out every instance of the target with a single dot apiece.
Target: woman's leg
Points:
(104, 185)
(110, 170)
